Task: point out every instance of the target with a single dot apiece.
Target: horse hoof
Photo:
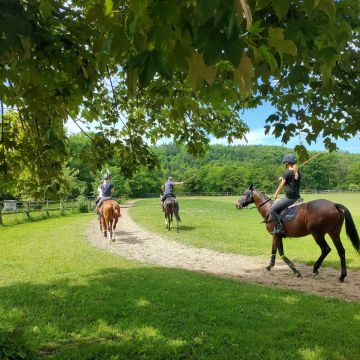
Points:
(268, 268)
(341, 279)
(297, 274)
(315, 272)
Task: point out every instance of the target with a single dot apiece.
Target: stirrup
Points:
(279, 230)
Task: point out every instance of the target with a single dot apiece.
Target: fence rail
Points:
(306, 191)
(15, 207)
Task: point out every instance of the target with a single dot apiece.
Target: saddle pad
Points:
(289, 213)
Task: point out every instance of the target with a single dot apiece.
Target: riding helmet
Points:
(106, 176)
(170, 178)
(289, 158)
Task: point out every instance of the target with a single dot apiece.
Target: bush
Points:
(83, 205)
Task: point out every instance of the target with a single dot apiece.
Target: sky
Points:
(255, 119)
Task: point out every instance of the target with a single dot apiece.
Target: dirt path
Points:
(135, 243)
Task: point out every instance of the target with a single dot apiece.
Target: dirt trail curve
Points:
(135, 243)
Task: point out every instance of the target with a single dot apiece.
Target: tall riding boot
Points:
(279, 229)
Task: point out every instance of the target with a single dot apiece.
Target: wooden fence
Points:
(26, 208)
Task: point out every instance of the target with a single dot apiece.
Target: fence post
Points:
(61, 207)
(1, 222)
(27, 209)
(47, 208)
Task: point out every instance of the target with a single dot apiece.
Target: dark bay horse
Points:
(318, 217)
(110, 213)
(171, 207)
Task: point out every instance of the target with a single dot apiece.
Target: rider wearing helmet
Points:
(107, 189)
(168, 189)
(291, 182)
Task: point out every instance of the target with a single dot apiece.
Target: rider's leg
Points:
(98, 206)
(274, 213)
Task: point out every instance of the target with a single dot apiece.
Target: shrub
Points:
(83, 205)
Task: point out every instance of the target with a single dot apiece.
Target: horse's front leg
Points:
(281, 253)
(273, 254)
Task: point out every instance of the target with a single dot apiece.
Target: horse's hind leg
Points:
(110, 230)
(325, 249)
(341, 251)
(177, 221)
(114, 227)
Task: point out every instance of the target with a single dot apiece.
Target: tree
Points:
(206, 59)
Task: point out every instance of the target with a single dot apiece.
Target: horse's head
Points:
(246, 198)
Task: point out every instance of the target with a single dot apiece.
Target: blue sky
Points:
(255, 119)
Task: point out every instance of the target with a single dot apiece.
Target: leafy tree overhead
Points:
(146, 69)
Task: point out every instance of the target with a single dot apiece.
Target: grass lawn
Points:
(64, 299)
(215, 223)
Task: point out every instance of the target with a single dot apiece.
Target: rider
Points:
(168, 189)
(291, 182)
(107, 189)
(99, 193)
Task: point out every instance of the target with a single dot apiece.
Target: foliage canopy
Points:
(142, 70)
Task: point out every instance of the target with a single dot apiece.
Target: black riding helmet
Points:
(289, 158)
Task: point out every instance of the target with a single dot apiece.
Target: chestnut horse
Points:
(318, 217)
(171, 207)
(110, 213)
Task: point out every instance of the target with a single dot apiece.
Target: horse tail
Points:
(176, 209)
(115, 210)
(350, 227)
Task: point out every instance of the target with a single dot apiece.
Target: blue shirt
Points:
(169, 187)
(106, 189)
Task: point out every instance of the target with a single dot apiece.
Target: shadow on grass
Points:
(153, 313)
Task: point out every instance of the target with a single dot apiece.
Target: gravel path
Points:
(135, 243)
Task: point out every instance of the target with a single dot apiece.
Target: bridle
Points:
(250, 196)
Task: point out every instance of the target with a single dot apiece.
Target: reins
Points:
(265, 202)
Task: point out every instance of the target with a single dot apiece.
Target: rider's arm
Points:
(280, 187)
(178, 183)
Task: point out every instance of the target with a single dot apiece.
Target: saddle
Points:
(289, 213)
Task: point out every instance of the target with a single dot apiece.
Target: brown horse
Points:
(318, 217)
(110, 213)
(171, 207)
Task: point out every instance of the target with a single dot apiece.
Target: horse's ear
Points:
(251, 186)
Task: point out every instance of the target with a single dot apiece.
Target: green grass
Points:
(69, 300)
(215, 223)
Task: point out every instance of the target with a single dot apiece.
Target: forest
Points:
(221, 169)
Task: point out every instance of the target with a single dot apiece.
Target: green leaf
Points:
(281, 7)
(108, 7)
(269, 57)
(261, 4)
(328, 7)
(199, 71)
(276, 40)
(46, 8)
(243, 75)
